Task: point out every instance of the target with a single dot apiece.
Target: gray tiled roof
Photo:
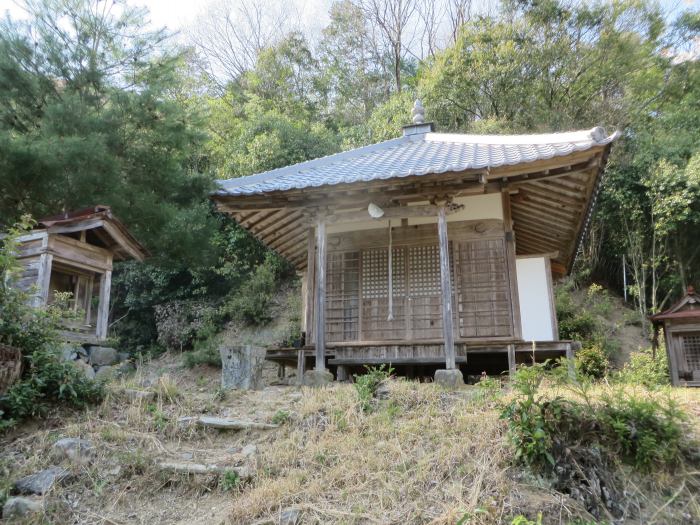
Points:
(418, 153)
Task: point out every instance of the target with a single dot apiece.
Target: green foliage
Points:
(48, 380)
(643, 368)
(522, 520)
(251, 303)
(280, 417)
(530, 419)
(229, 481)
(592, 361)
(206, 352)
(645, 431)
(366, 384)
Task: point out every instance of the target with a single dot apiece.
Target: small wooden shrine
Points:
(681, 328)
(431, 250)
(72, 253)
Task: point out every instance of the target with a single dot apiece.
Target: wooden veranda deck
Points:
(410, 358)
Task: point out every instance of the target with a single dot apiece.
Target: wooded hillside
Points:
(95, 109)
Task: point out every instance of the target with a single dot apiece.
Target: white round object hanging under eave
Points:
(375, 211)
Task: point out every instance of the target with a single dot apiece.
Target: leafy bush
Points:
(366, 384)
(592, 361)
(229, 481)
(280, 417)
(645, 431)
(643, 369)
(206, 352)
(529, 421)
(47, 378)
(251, 304)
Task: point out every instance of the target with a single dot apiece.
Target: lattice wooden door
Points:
(483, 303)
(691, 350)
(375, 325)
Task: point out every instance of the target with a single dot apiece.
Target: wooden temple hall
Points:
(429, 251)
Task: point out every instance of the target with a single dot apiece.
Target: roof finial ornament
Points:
(418, 112)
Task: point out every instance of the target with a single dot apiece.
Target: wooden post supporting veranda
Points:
(103, 307)
(446, 290)
(320, 295)
(309, 281)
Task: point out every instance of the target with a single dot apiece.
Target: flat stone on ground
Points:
(19, 507)
(133, 394)
(451, 379)
(200, 468)
(42, 481)
(231, 424)
(74, 449)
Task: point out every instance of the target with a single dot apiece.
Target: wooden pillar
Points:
(446, 289)
(44, 280)
(510, 264)
(320, 294)
(301, 364)
(342, 373)
(673, 342)
(310, 284)
(103, 307)
(512, 368)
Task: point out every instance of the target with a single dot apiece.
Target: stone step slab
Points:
(225, 423)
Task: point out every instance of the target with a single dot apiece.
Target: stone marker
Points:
(451, 378)
(317, 378)
(290, 516)
(20, 507)
(242, 367)
(41, 482)
(74, 449)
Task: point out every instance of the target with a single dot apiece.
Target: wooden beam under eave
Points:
(539, 214)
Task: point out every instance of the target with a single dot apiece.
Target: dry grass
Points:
(429, 456)
(421, 456)
(424, 456)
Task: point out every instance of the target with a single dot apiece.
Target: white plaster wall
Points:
(534, 294)
(476, 207)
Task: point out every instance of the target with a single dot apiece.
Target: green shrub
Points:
(645, 431)
(592, 361)
(643, 369)
(280, 417)
(48, 379)
(366, 384)
(529, 423)
(251, 304)
(205, 352)
(229, 481)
